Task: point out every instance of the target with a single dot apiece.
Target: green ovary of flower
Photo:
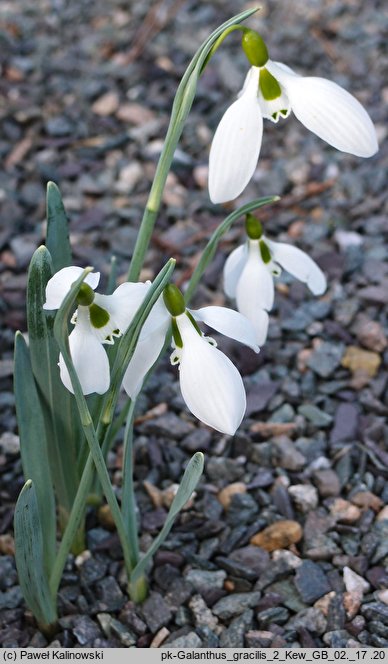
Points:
(85, 295)
(253, 227)
(174, 300)
(254, 48)
(99, 317)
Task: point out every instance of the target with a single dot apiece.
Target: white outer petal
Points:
(329, 111)
(89, 358)
(299, 265)
(229, 322)
(146, 353)
(255, 293)
(61, 282)
(210, 383)
(255, 286)
(123, 303)
(236, 145)
(232, 269)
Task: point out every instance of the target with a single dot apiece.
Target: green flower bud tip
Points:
(270, 88)
(254, 48)
(98, 316)
(253, 227)
(85, 295)
(265, 252)
(174, 300)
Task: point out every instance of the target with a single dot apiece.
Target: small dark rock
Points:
(277, 614)
(233, 605)
(156, 612)
(326, 358)
(109, 593)
(233, 636)
(86, 630)
(311, 581)
(345, 423)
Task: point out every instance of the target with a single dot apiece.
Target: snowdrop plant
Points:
(250, 270)
(85, 347)
(271, 91)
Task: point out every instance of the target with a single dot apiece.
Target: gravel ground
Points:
(286, 541)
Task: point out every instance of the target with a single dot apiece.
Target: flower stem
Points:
(72, 526)
(181, 107)
(128, 499)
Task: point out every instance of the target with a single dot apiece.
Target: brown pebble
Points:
(352, 602)
(159, 637)
(371, 335)
(323, 603)
(154, 493)
(279, 535)
(7, 545)
(367, 499)
(383, 515)
(327, 483)
(229, 585)
(268, 429)
(226, 494)
(105, 517)
(356, 359)
(344, 511)
(107, 104)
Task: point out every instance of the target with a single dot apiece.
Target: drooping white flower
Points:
(97, 320)
(272, 91)
(210, 383)
(249, 272)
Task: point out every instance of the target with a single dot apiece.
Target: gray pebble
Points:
(311, 581)
(233, 605)
(156, 612)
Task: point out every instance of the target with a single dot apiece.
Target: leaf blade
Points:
(189, 481)
(60, 414)
(29, 557)
(57, 235)
(33, 446)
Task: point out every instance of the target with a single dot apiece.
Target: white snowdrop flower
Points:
(271, 91)
(250, 269)
(210, 383)
(97, 320)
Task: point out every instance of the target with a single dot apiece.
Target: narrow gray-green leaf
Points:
(57, 235)
(29, 548)
(189, 481)
(33, 446)
(64, 434)
(212, 244)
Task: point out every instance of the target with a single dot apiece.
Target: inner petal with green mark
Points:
(272, 98)
(103, 324)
